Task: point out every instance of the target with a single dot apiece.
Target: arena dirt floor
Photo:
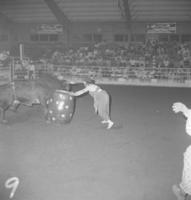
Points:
(140, 158)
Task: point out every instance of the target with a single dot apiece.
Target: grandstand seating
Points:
(150, 62)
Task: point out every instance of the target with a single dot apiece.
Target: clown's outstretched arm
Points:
(180, 107)
(80, 92)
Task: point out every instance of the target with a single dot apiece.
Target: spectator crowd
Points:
(152, 60)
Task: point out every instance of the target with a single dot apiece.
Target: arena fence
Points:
(127, 75)
(5, 72)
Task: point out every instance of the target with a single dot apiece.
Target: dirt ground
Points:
(140, 158)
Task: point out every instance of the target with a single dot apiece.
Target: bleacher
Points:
(167, 64)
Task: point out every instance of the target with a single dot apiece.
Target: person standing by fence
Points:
(31, 71)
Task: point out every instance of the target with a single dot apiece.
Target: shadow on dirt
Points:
(24, 114)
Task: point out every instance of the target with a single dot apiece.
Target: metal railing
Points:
(110, 72)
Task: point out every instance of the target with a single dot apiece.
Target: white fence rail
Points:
(114, 75)
(5, 72)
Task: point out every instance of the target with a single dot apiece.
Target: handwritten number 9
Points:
(12, 183)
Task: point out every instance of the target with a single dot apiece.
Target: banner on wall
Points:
(48, 29)
(161, 28)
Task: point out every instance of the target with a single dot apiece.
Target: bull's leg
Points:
(46, 111)
(15, 105)
(24, 101)
(3, 111)
(27, 102)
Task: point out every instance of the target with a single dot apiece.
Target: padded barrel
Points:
(61, 107)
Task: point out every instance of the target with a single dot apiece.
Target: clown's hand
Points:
(179, 107)
(72, 93)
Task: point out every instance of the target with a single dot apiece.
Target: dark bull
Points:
(29, 93)
(6, 100)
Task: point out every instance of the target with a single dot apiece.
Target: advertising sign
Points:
(48, 29)
(161, 28)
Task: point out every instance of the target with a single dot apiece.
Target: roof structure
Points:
(32, 11)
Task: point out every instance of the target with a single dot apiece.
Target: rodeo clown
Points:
(101, 100)
(184, 189)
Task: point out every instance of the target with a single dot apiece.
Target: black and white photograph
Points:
(95, 99)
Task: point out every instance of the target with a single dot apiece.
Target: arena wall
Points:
(21, 33)
(5, 36)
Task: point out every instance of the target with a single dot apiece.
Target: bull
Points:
(6, 100)
(29, 93)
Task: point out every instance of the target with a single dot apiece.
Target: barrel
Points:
(61, 107)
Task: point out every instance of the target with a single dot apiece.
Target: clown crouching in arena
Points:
(101, 100)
